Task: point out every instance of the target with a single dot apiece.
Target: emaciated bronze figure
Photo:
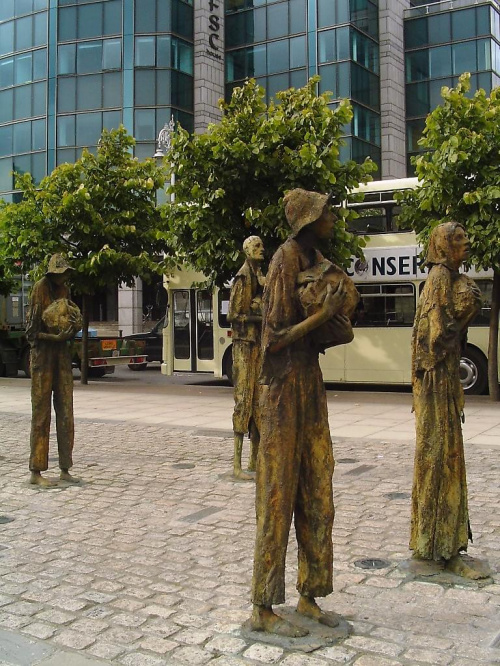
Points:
(295, 462)
(53, 320)
(440, 526)
(245, 315)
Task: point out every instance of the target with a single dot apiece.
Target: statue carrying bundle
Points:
(62, 315)
(312, 288)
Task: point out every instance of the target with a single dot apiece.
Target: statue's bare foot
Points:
(38, 480)
(66, 476)
(243, 476)
(265, 619)
(459, 567)
(308, 607)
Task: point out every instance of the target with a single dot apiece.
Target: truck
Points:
(105, 353)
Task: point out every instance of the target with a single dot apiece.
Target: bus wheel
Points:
(473, 371)
(227, 365)
(26, 362)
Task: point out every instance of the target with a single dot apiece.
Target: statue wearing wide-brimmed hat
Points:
(303, 294)
(53, 320)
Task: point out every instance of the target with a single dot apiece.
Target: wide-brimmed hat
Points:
(303, 207)
(58, 264)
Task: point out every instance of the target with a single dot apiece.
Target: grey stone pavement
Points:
(149, 561)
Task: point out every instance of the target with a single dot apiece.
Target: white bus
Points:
(197, 337)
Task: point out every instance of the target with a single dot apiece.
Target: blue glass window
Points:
(112, 54)
(90, 21)
(66, 94)
(113, 17)
(38, 135)
(67, 24)
(163, 50)
(463, 24)
(6, 38)
(89, 92)
(111, 119)
(66, 63)
(24, 33)
(38, 166)
(145, 51)
(89, 57)
(260, 60)
(182, 56)
(6, 106)
(112, 90)
(23, 68)
(6, 72)
(88, 129)
(297, 16)
(22, 101)
(39, 91)
(464, 57)
(298, 56)
(39, 64)
(145, 88)
(66, 131)
(144, 129)
(22, 137)
(6, 10)
(278, 56)
(40, 29)
(484, 53)
(6, 140)
(277, 20)
(440, 61)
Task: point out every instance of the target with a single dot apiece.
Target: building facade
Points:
(69, 68)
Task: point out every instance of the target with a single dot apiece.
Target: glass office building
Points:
(69, 68)
(282, 43)
(442, 41)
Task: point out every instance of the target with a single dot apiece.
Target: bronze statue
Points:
(440, 526)
(295, 462)
(53, 320)
(245, 315)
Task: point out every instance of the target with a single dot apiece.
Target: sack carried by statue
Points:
(312, 285)
(61, 315)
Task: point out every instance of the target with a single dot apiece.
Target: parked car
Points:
(154, 344)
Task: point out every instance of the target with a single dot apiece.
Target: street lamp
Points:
(164, 140)
(163, 145)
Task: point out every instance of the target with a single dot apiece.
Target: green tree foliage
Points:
(460, 180)
(100, 211)
(230, 181)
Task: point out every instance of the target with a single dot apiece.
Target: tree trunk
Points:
(84, 368)
(493, 340)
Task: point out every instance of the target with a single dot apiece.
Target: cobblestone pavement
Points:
(149, 561)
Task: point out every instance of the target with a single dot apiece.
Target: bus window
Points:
(223, 307)
(370, 221)
(483, 318)
(205, 325)
(385, 305)
(182, 342)
(375, 219)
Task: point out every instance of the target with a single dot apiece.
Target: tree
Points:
(100, 211)
(230, 181)
(459, 178)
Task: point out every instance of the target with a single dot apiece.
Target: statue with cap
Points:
(53, 321)
(295, 462)
(245, 315)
